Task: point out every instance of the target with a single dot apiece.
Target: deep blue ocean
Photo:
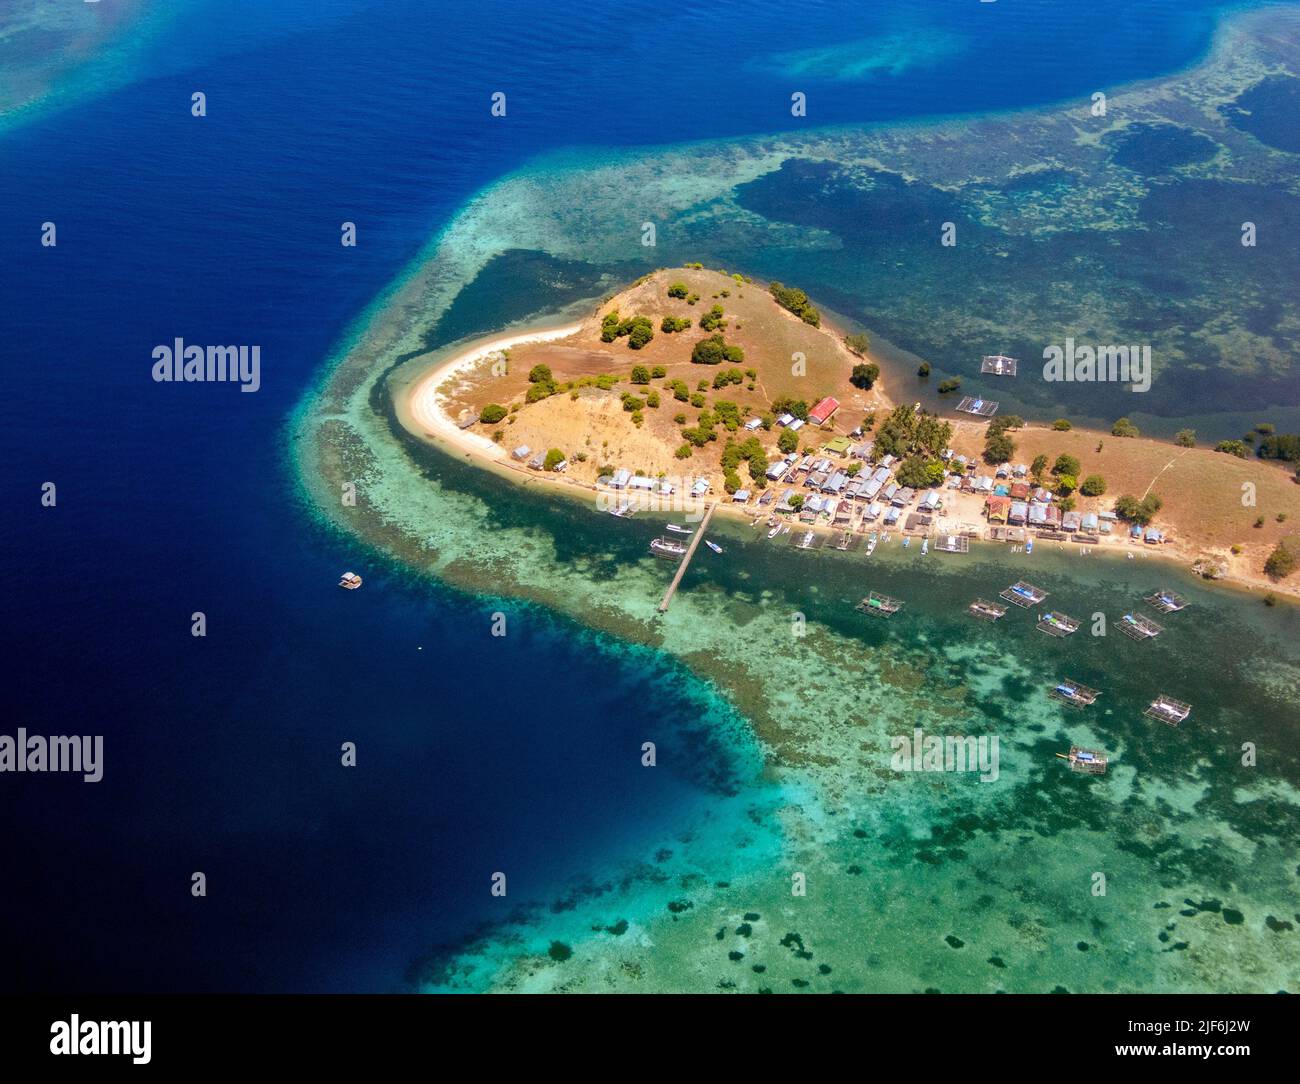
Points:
(222, 752)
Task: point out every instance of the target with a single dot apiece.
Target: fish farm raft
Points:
(1024, 594)
(1168, 710)
(1138, 627)
(1166, 602)
(1073, 693)
(879, 605)
(1058, 624)
(1087, 761)
(985, 610)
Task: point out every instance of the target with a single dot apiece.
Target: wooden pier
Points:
(690, 552)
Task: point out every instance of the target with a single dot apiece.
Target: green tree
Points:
(788, 441)
(1282, 561)
(554, 458)
(865, 375)
(540, 374)
(1232, 447)
(492, 413)
(640, 374)
(1037, 467)
(1066, 464)
(678, 289)
(1062, 425)
(857, 344)
(951, 384)
(1093, 486)
(1185, 438)
(998, 448)
(1124, 428)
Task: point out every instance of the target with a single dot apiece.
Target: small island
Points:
(695, 385)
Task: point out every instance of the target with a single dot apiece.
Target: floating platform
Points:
(879, 605)
(1087, 761)
(805, 539)
(350, 581)
(998, 365)
(1168, 710)
(981, 408)
(1058, 624)
(1166, 602)
(1074, 693)
(985, 610)
(1024, 594)
(1139, 627)
(952, 543)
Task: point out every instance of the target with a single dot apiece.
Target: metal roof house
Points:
(522, 452)
(621, 477)
(823, 411)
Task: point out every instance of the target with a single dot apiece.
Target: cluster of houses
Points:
(1014, 501)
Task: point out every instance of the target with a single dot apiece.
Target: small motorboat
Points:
(925, 546)
(871, 543)
(907, 541)
(1029, 546)
(680, 530)
(350, 581)
(774, 531)
(713, 546)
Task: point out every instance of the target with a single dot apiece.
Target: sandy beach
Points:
(427, 399)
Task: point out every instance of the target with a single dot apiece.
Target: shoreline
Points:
(419, 406)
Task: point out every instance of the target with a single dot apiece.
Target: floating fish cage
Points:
(1074, 693)
(1087, 761)
(981, 408)
(1168, 710)
(985, 610)
(952, 543)
(879, 605)
(1166, 602)
(1138, 627)
(998, 365)
(1024, 594)
(1058, 624)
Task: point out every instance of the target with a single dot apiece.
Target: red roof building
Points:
(821, 413)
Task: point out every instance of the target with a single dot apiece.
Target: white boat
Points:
(871, 543)
(667, 547)
(680, 530)
(774, 531)
(805, 541)
(623, 511)
(925, 546)
(350, 580)
(713, 546)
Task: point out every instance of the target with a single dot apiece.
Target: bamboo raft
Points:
(1087, 761)
(1166, 601)
(1058, 624)
(878, 605)
(1024, 594)
(1073, 693)
(1139, 627)
(1168, 710)
(985, 610)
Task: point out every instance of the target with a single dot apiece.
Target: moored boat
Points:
(350, 580)
(713, 546)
